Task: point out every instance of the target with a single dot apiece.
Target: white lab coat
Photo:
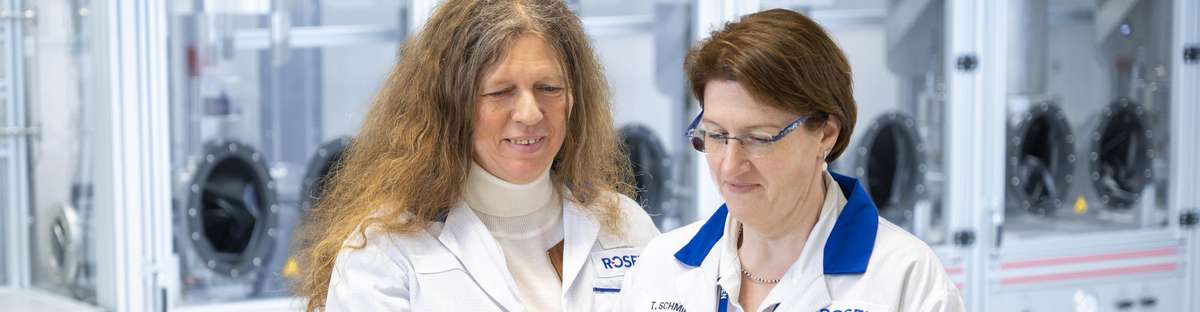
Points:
(854, 261)
(456, 265)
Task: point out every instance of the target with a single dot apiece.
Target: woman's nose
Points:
(734, 158)
(527, 110)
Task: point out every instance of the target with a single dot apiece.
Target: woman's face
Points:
(521, 112)
(770, 186)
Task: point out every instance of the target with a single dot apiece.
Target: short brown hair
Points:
(785, 60)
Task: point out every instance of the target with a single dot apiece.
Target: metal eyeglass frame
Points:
(692, 132)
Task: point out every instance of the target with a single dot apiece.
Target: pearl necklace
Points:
(757, 279)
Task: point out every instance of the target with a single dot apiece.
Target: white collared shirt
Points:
(853, 261)
(456, 265)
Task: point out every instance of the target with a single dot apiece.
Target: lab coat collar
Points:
(486, 262)
(465, 236)
(846, 251)
(695, 288)
(577, 243)
(709, 234)
(849, 246)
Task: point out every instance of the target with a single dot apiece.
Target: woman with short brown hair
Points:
(487, 175)
(792, 236)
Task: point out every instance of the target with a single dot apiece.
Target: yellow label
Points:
(1080, 205)
(291, 268)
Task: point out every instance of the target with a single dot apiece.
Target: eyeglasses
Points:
(708, 142)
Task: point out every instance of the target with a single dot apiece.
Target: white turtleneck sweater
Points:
(526, 221)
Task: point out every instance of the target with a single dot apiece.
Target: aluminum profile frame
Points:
(133, 206)
(1184, 141)
(17, 218)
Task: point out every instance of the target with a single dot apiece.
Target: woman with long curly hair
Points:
(487, 176)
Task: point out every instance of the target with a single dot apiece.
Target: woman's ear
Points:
(830, 131)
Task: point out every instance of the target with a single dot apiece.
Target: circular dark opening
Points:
(1036, 157)
(1121, 169)
(890, 169)
(232, 200)
(1043, 165)
(647, 160)
(882, 166)
(230, 210)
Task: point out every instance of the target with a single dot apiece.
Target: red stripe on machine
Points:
(1154, 268)
(1169, 251)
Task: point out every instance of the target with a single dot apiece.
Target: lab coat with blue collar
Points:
(456, 265)
(852, 261)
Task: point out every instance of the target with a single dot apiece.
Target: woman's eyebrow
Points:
(710, 122)
(759, 126)
(556, 77)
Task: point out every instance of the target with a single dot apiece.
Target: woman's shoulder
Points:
(658, 257)
(915, 270)
(665, 245)
(896, 247)
(374, 270)
(377, 245)
(637, 228)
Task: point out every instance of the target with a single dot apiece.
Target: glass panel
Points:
(641, 45)
(350, 85)
(1088, 103)
(60, 162)
(896, 147)
(349, 77)
(362, 12)
(256, 127)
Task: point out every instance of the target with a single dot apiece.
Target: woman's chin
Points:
(522, 172)
(742, 210)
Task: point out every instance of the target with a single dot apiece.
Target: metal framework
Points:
(1185, 176)
(14, 146)
(970, 124)
(133, 217)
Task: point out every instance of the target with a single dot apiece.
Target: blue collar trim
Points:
(847, 250)
(697, 249)
(849, 246)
